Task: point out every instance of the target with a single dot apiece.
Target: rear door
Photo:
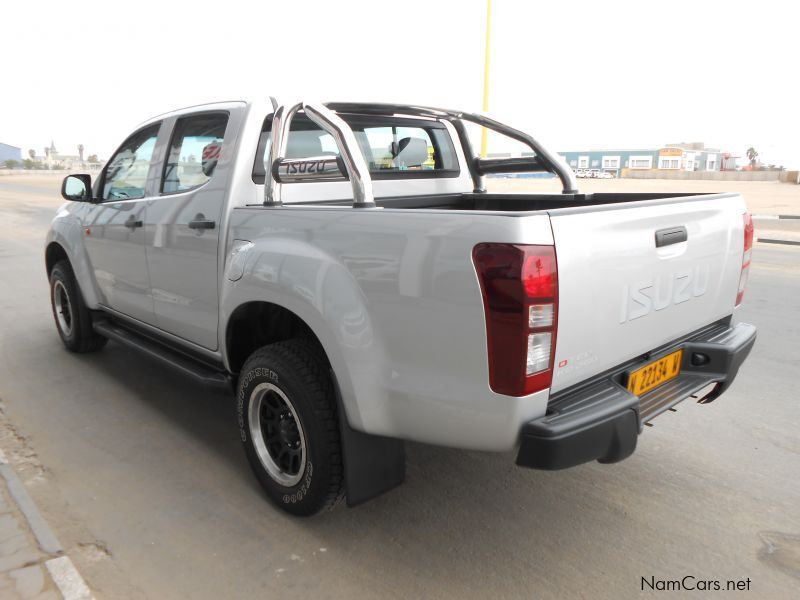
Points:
(184, 224)
(621, 295)
(114, 228)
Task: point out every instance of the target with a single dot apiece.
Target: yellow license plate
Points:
(652, 375)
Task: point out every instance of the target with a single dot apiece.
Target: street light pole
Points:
(484, 131)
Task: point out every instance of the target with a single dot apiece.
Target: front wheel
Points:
(288, 424)
(72, 316)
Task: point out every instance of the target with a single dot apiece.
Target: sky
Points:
(576, 75)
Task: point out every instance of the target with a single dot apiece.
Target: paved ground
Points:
(33, 565)
(23, 573)
(141, 475)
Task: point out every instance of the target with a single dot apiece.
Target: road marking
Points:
(67, 579)
(771, 217)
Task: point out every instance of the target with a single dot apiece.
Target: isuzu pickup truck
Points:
(343, 269)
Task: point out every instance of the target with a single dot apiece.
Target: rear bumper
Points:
(602, 420)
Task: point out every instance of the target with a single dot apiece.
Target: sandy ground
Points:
(143, 479)
(762, 197)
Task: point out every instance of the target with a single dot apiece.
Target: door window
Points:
(126, 174)
(194, 151)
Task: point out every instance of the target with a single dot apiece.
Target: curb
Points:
(67, 579)
(62, 570)
(45, 537)
(775, 217)
(785, 242)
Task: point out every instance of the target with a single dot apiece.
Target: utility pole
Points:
(484, 131)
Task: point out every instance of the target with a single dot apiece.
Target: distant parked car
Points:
(593, 173)
(580, 173)
(605, 175)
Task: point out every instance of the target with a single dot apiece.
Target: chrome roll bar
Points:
(356, 166)
(545, 160)
(349, 154)
(281, 170)
(551, 162)
(281, 122)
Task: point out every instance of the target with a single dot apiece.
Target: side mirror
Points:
(77, 188)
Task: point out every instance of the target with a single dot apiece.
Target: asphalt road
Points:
(141, 475)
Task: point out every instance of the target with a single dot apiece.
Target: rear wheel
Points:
(72, 317)
(289, 427)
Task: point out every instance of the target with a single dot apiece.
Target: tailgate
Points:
(621, 296)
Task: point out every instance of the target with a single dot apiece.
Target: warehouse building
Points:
(673, 157)
(9, 153)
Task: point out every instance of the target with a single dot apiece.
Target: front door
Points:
(183, 230)
(114, 229)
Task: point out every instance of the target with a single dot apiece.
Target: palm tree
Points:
(752, 154)
(32, 154)
(80, 151)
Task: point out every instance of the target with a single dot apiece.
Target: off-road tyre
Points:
(291, 378)
(72, 316)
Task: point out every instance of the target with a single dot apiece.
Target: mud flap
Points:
(373, 464)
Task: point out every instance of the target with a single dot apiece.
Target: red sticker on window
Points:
(211, 151)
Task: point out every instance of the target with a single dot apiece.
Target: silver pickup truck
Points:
(343, 269)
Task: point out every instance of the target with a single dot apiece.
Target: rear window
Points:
(394, 147)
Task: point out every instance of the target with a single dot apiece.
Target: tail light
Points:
(520, 297)
(748, 254)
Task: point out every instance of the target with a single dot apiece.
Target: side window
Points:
(126, 173)
(193, 152)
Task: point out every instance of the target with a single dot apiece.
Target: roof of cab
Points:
(195, 107)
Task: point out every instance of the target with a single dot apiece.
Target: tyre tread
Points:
(86, 339)
(301, 356)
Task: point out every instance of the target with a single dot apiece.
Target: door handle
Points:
(133, 222)
(200, 222)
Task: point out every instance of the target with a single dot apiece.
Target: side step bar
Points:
(204, 374)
